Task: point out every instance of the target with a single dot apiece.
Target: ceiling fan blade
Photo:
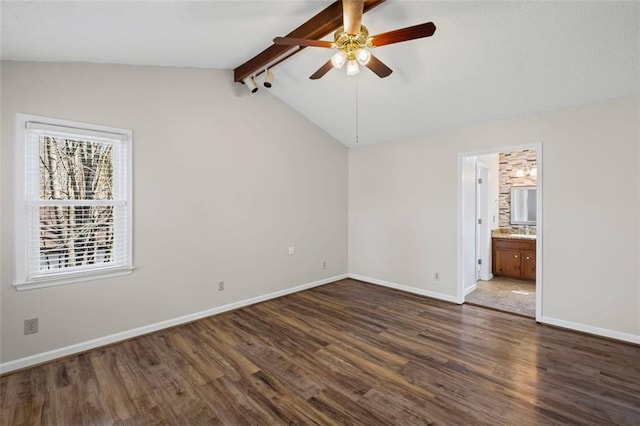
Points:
(404, 34)
(322, 70)
(352, 15)
(378, 67)
(290, 41)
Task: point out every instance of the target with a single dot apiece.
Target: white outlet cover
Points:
(292, 251)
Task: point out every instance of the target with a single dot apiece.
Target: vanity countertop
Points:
(515, 236)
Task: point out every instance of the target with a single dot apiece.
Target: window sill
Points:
(93, 275)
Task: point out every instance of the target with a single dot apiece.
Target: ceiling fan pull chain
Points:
(357, 115)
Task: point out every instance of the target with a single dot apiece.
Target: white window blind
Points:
(76, 201)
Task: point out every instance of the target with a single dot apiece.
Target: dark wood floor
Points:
(344, 353)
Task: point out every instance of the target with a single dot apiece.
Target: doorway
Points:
(500, 254)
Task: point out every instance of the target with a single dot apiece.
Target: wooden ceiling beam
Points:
(325, 22)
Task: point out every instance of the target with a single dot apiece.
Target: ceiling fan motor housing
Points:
(350, 43)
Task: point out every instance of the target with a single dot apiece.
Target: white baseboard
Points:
(626, 337)
(408, 289)
(471, 288)
(114, 338)
(124, 335)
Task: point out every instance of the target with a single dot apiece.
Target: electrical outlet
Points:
(436, 276)
(292, 251)
(31, 326)
(324, 264)
(221, 286)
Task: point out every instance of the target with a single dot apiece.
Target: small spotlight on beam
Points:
(250, 82)
(268, 78)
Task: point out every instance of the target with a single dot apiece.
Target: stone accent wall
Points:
(510, 162)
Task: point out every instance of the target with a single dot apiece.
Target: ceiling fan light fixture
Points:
(339, 59)
(363, 56)
(352, 67)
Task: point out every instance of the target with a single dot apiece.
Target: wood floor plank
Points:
(344, 353)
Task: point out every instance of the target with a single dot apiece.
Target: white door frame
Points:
(483, 230)
(468, 224)
(465, 261)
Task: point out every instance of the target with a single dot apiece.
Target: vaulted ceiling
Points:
(486, 61)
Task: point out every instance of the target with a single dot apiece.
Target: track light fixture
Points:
(268, 78)
(250, 82)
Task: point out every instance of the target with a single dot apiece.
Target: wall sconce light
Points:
(528, 172)
(250, 82)
(268, 78)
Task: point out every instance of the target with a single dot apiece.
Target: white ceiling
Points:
(486, 61)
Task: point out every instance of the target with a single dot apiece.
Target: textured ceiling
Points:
(486, 61)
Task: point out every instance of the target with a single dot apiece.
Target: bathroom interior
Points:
(506, 232)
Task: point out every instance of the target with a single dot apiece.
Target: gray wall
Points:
(403, 223)
(224, 182)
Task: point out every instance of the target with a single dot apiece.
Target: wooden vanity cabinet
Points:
(529, 265)
(514, 258)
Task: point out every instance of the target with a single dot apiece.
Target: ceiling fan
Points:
(353, 42)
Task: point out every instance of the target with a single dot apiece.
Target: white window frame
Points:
(22, 280)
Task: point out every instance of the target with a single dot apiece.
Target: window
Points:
(72, 202)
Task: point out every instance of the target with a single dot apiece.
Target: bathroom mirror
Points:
(523, 205)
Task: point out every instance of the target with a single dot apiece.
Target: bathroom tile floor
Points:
(504, 294)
